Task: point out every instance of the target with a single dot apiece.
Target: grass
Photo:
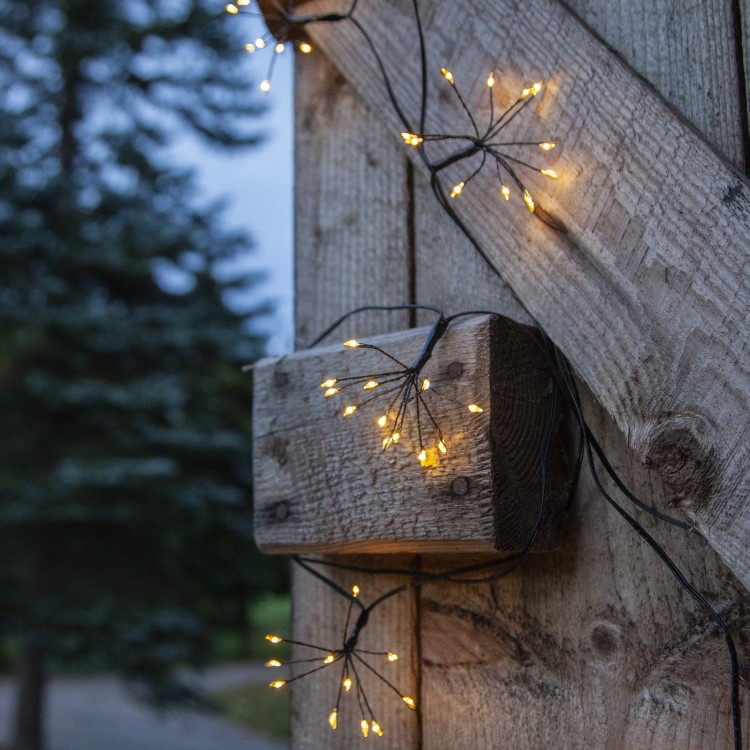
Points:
(270, 613)
(257, 707)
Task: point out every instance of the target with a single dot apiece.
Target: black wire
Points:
(591, 445)
(370, 308)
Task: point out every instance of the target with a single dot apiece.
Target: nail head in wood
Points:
(281, 511)
(460, 486)
(455, 370)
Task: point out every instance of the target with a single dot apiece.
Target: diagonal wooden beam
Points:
(644, 285)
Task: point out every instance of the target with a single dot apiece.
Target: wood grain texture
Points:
(350, 223)
(592, 645)
(647, 292)
(742, 24)
(324, 484)
(686, 52)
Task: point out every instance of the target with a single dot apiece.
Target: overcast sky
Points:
(257, 186)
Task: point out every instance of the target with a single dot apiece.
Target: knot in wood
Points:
(605, 640)
(675, 449)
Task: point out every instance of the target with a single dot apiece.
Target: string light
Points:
(412, 139)
(487, 144)
(283, 35)
(502, 158)
(405, 389)
(448, 76)
(353, 660)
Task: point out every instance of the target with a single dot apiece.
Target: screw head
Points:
(281, 511)
(280, 379)
(455, 370)
(460, 486)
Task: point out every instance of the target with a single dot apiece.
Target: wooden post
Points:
(346, 257)
(592, 645)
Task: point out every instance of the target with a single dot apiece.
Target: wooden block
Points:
(323, 482)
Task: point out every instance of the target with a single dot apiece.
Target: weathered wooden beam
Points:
(645, 289)
(323, 482)
(345, 257)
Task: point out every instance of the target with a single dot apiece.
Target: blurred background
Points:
(145, 256)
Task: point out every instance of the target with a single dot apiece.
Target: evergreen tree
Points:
(125, 536)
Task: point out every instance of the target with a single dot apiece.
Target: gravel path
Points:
(99, 713)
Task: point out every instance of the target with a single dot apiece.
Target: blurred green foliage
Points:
(257, 708)
(125, 462)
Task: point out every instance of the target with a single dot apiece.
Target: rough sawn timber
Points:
(646, 289)
(324, 484)
(346, 256)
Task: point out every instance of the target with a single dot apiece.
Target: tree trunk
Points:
(30, 700)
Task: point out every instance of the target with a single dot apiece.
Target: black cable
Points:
(561, 371)
(370, 308)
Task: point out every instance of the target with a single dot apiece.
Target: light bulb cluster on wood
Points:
(282, 37)
(489, 145)
(405, 391)
(354, 662)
